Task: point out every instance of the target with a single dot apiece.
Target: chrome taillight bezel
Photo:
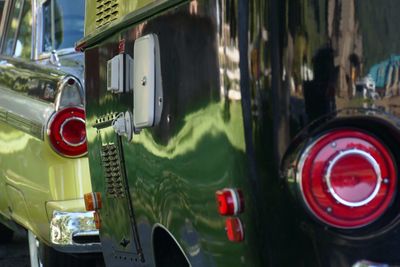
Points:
(333, 138)
(55, 136)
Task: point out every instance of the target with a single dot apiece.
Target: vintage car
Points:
(43, 165)
(232, 132)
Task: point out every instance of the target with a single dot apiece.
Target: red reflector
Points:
(67, 132)
(230, 201)
(347, 178)
(234, 229)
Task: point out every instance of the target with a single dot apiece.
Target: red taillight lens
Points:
(234, 229)
(67, 132)
(347, 178)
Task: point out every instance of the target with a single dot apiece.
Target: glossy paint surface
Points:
(248, 85)
(175, 168)
(32, 173)
(34, 179)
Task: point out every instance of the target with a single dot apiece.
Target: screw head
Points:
(144, 81)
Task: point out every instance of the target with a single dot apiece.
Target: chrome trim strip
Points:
(19, 26)
(37, 44)
(3, 115)
(60, 89)
(374, 164)
(34, 8)
(61, 52)
(299, 174)
(36, 32)
(24, 125)
(24, 113)
(2, 22)
(365, 263)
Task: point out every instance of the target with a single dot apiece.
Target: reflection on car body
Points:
(295, 103)
(43, 164)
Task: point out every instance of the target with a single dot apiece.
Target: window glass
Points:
(2, 3)
(24, 38)
(12, 27)
(62, 23)
(47, 40)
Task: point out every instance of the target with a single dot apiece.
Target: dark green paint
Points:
(246, 85)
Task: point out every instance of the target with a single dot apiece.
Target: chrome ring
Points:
(374, 164)
(62, 128)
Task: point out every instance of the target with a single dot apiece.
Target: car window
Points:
(62, 23)
(23, 44)
(11, 28)
(18, 36)
(2, 3)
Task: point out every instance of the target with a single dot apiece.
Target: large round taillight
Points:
(67, 132)
(347, 178)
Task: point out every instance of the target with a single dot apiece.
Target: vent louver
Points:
(112, 168)
(106, 11)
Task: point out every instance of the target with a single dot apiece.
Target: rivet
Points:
(329, 209)
(333, 144)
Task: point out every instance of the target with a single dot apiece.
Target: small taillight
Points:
(347, 178)
(92, 201)
(67, 132)
(230, 201)
(234, 229)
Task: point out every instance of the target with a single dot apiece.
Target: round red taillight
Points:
(67, 132)
(347, 178)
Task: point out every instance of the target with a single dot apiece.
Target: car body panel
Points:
(174, 169)
(36, 180)
(248, 86)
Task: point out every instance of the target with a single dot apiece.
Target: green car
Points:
(244, 133)
(44, 169)
(166, 135)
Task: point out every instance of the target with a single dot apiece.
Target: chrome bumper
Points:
(74, 232)
(365, 263)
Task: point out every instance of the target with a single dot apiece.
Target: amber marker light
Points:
(97, 220)
(92, 201)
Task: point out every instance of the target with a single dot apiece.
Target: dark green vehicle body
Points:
(239, 85)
